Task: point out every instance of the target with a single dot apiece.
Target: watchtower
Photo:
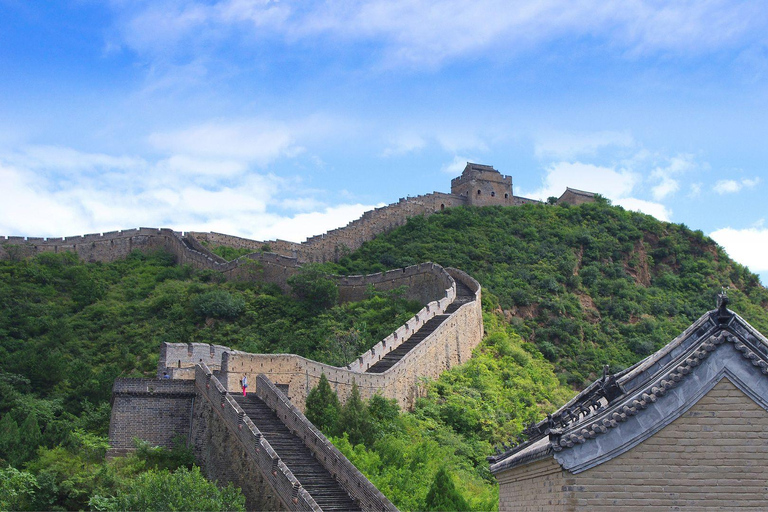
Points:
(482, 185)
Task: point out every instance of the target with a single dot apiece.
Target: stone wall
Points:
(428, 283)
(345, 473)
(331, 246)
(153, 410)
(449, 345)
(713, 457)
(482, 185)
(230, 448)
(536, 487)
(111, 246)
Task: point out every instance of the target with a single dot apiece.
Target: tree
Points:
(9, 439)
(323, 406)
(355, 419)
(443, 495)
(16, 489)
(182, 489)
(314, 287)
(218, 304)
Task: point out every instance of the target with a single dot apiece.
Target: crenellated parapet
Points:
(448, 345)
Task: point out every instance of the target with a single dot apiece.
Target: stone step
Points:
(318, 482)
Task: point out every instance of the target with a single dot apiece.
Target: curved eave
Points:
(641, 413)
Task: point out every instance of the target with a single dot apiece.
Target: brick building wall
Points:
(155, 411)
(540, 486)
(713, 457)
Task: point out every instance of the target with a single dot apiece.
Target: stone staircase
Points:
(315, 479)
(463, 296)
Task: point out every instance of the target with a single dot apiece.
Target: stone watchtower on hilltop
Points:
(482, 185)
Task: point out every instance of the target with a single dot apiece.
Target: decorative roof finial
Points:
(723, 315)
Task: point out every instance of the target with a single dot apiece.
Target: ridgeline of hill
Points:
(565, 290)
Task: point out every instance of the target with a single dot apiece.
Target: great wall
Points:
(233, 438)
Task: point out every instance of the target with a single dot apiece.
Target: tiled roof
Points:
(644, 398)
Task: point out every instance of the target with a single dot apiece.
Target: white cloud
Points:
(747, 246)
(607, 181)
(666, 187)
(695, 189)
(658, 210)
(260, 142)
(566, 146)
(667, 184)
(456, 166)
(733, 186)
(305, 225)
(404, 143)
(54, 191)
(618, 185)
(415, 31)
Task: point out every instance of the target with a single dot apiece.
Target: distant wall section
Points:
(449, 345)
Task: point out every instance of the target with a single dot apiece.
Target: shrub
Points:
(218, 304)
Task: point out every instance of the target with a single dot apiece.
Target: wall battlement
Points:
(478, 185)
(448, 345)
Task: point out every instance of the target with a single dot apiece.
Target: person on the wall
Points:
(244, 383)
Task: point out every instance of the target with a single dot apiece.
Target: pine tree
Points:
(355, 419)
(322, 406)
(31, 437)
(9, 439)
(443, 495)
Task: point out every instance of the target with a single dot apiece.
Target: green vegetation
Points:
(68, 329)
(589, 285)
(506, 385)
(76, 477)
(565, 290)
(229, 253)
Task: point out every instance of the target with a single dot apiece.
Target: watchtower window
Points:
(478, 192)
(506, 196)
(442, 207)
(493, 194)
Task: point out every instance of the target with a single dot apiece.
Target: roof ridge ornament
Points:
(723, 315)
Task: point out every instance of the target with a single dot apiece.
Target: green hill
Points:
(588, 285)
(565, 291)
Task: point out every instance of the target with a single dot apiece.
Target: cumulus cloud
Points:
(455, 166)
(733, 186)
(607, 181)
(747, 246)
(260, 142)
(57, 191)
(658, 210)
(403, 144)
(667, 176)
(617, 184)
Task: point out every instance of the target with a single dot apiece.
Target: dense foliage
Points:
(565, 290)
(69, 328)
(589, 285)
(453, 427)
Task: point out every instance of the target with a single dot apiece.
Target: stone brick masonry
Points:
(710, 458)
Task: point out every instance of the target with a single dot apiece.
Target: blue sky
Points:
(285, 119)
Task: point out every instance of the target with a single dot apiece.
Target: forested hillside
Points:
(588, 285)
(565, 291)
